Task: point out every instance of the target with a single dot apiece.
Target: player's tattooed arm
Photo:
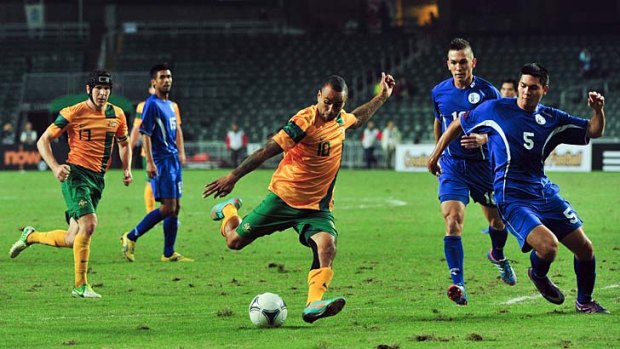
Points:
(364, 112)
(252, 162)
(224, 185)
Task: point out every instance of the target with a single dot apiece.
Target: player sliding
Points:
(522, 133)
(301, 190)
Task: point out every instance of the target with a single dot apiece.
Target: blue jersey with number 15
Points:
(159, 121)
(520, 141)
(451, 102)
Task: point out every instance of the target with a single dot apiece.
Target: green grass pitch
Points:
(389, 266)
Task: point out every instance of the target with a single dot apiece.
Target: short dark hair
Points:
(337, 83)
(159, 67)
(99, 77)
(536, 70)
(458, 44)
(510, 81)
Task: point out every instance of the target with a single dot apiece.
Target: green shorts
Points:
(273, 214)
(82, 191)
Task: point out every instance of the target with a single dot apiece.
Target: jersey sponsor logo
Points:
(474, 98)
(540, 119)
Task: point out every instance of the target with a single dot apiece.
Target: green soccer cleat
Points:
(85, 291)
(176, 257)
(217, 213)
(128, 248)
(323, 308)
(22, 243)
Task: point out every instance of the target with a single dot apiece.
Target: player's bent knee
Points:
(236, 242)
(548, 250)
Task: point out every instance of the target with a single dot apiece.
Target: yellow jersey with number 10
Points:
(306, 176)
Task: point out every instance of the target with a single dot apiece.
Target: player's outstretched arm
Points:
(224, 185)
(474, 140)
(364, 112)
(452, 132)
(596, 126)
(61, 172)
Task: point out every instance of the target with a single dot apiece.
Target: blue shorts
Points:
(522, 216)
(169, 182)
(461, 178)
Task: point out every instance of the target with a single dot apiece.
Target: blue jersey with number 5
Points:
(451, 102)
(159, 121)
(520, 141)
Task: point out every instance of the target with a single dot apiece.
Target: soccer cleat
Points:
(85, 291)
(217, 212)
(128, 247)
(176, 257)
(546, 288)
(323, 308)
(590, 308)
(457, 294)
(505, 270)
(22, 243)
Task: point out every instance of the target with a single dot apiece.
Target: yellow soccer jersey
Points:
(91, 134)
(137, 121)
(312, 148)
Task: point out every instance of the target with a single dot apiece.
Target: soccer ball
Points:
(268, 310)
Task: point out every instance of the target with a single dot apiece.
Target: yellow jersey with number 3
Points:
(91, 134)
(306, 176)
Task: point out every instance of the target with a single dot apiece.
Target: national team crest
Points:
(540, 119)
(474, 97)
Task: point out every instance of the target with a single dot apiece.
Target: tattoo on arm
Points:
(364, 112)
(257, 158)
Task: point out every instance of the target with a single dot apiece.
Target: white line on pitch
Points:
(526, 298)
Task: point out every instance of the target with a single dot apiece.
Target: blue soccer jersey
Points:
(520, 141)
(159, 121)
(451, 102)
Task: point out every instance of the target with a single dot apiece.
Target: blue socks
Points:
(171, 225)
(453, 250)
(146, 224)
(498, 241)
(586, 275)
(539, 265)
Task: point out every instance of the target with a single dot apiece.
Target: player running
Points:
(522, 133)
(466, 172)
(91, 126)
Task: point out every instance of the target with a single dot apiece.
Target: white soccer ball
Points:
(268, 310)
